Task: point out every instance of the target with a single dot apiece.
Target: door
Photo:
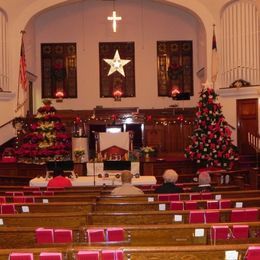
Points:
(247, 121)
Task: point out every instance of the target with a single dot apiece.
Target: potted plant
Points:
(78, 154)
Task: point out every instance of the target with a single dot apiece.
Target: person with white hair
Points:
(204, 181)
(170, 177)
(126, 188)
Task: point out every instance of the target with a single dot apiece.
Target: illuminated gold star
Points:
(116, 64)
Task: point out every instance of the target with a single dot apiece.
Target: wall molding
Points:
(6, 95)
(237, 92)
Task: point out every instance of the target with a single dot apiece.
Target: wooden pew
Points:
(183, 196)
(148, 206)
(136, 235)
(147, 217)
(68, 219)
(66, 207)
(149, 252)
(61, 198)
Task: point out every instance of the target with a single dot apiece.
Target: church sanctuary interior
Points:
(168, 90)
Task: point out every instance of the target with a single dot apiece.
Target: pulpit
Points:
(113, 146)
(112, 154)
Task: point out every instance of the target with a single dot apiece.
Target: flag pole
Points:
(214, 58)
(22, 56)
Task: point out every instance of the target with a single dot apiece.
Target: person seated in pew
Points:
(204, 181)
(59, 180)
(170, 177)
(126, 188)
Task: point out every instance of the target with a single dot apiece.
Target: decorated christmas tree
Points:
(46, 139)
(211, 143)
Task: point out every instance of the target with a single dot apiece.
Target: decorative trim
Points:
(237, 92)
(6, 95)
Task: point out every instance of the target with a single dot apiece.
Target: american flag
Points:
(22, 71)
(214, 59)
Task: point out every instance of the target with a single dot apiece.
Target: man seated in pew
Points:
(170, 177)
(204, 181)
(59, 180)
(126, 188)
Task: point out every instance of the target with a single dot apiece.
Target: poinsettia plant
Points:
(46, 139)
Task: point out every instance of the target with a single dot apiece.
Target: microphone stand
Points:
(94, 172)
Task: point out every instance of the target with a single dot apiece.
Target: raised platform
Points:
(90, 181)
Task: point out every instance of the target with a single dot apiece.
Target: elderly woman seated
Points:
(170, 177)
(204, 183)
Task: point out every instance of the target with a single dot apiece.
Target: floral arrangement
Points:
(147, 149)
(79, 153)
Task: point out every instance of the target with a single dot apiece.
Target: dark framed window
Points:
(116, 81)
(59, 69)
(174, 67)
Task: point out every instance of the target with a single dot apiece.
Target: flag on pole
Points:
(22, 71)
(214, 59)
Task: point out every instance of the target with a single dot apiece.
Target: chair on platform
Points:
(63, 236)
(2, 199)
(196, 216)
(50, 256)
(212, 216)
(21, 256)
(224, 204)
(87, 255)
(212, 204)
(95, 235)
(190, 205)
(253, 253)
(112, 255)
(8, 209)
(176, 205)
(240, 231)
(115, 234)
(44, 235)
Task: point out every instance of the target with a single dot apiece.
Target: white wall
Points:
(86, 24)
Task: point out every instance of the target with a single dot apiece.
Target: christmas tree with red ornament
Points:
(46, 139)
(211, 143)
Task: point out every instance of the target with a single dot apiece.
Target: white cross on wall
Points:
(114, 18)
